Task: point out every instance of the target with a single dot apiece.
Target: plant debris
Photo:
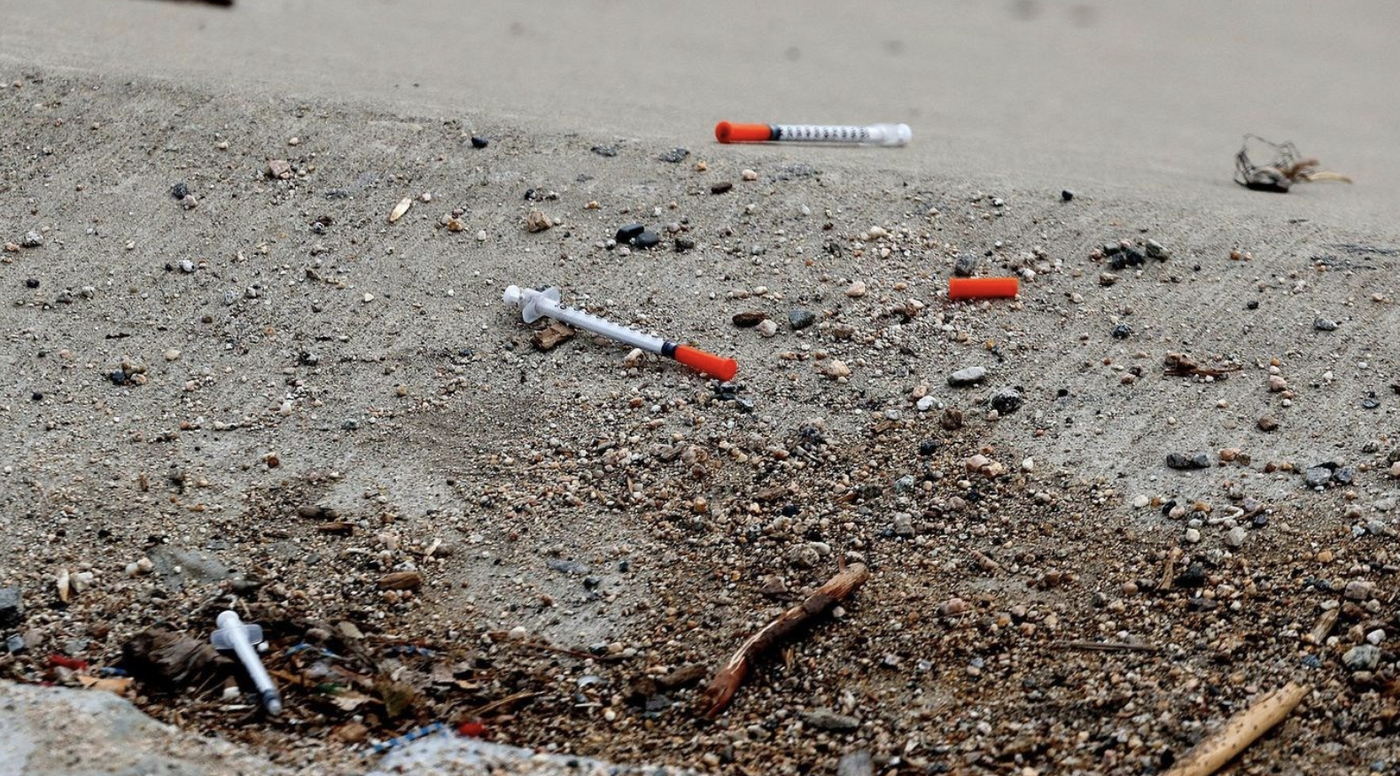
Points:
(1285, 167)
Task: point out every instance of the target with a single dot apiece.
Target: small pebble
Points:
(856, 289)
(479, 142)
(969, 376)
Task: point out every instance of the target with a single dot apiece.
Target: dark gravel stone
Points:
(11, 607)
(1188, 462)
(1122, 331)
(965, 266)
(647, 239)
(683, 245)
(15, 644)
(1193, 576)
(626, 233)
(1344, 476)
(31, 283)
(1317, 476)
(479, 141)
(1324, 324)
(180, 190)
(674, 156)
(1370, 402)
(748, 320)
(1252, 304)
(1066, 195)
(801, 319)
(1006, 401)
(1127, 257)
(929, 446)
(720, 188)
(605, 150)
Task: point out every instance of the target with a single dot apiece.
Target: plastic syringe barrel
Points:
(238, 639)
(588, 322)
(873, 134)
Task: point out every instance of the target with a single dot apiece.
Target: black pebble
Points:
(1122, 331)
(36, 396)
(1252, 304)
(605, 150)
(1188, 462)
(479, 142)
(626, 233)
(683, 245)
(180, 190)
(674, 156)
(530, 195)
(1066, 195)
(928, 447)
(1006, 401)
(31, 283)
(647, 239)
(1193, 576)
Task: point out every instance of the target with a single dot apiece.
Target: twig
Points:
(493, 705)
(726, 682)
(1168, 571)
(1241, 731)
(1324, 626)
(1104, 646)
(985, 562)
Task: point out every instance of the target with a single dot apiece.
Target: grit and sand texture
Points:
(315, 355)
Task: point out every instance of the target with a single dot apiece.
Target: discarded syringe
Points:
(234, 636)
(870, 134)
(537, 304)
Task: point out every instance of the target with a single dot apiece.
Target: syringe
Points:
(536, 304)
(872, 134)
(234, 635)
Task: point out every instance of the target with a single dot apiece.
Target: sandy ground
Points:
(285, 347)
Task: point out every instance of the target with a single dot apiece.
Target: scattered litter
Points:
(1285, 167)
(168, 660)
(412, 735)
(537, 304)
(726, 682)
(1244, 729)
(871, 134)
(983, 288)
(400, 209)
(234, 635)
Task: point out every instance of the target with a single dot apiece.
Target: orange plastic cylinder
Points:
(710, 364)
(742, 133)
(982, 288)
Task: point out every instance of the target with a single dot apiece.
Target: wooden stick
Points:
(726, 682)
(1241, 731)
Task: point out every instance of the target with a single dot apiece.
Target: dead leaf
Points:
(401, 580)
(115, 684)
(549, 337)
(350, 700)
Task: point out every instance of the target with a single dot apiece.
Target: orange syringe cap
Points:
(982, 288)
(726, 132)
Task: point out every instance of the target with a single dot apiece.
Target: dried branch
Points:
(1241, 731)
(726, 682)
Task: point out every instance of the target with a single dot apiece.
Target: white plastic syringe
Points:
(871, 134)
(536, 304)
(234, 635)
